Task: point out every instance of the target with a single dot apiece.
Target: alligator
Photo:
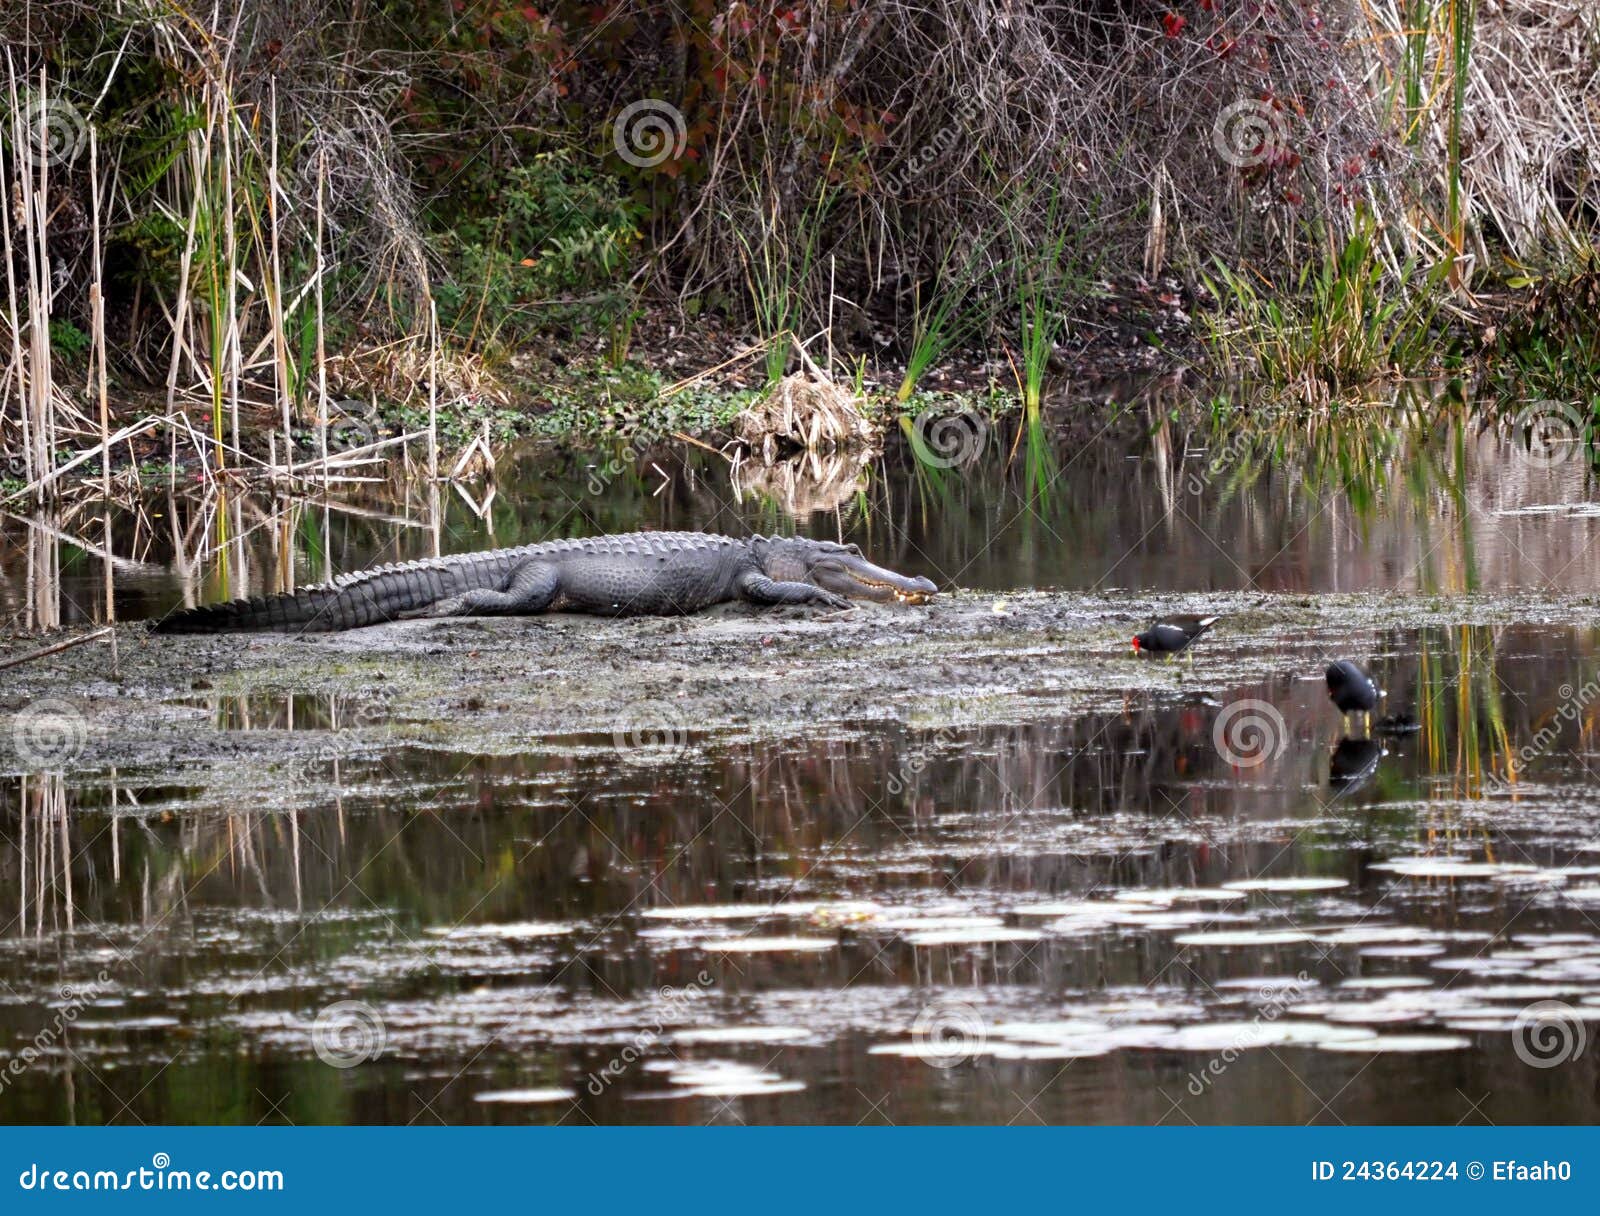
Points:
(637, 574)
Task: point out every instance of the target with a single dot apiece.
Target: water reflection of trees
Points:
(1144, 486)
(572, 833)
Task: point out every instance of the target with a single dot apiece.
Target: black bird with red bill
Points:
(1172, 634)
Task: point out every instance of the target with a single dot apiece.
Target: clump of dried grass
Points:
(805, 410)
(400, 371)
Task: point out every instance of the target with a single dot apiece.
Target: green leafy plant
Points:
(554, 251)
(1549, 347)
(66, 339)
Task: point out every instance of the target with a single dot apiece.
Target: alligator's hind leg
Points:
(530, 589)
(759, 589)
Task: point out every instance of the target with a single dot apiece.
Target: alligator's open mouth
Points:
(860, 579)
(888, 591)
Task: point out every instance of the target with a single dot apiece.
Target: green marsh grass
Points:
(945, 316)
(1342, 323)
(778, 264)
(1041, 284)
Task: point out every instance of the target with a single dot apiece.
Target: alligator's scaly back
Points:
(385, 593)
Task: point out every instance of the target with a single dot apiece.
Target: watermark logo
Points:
(653, 726)
(357, 728)
(646, 133)
(947, 438)
(347, 1033)
(1548, 1033)
(1548, 434)
(74, 1000)
(62, 126)
(1277, 1000)
(952, 134)
(49, 734)
(676, 1004)
(1250, 133)
(948, 1033)
(1225, 457)
(1248, 733)
(352, 424)
(1573, 702)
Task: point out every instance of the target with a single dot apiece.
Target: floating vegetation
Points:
(526, 1097)
(1245, 937)
(513, 931)
(723, 1079)
(1386, 1043)
(1183, 895)
(972, 936)
(1240, 1036)
(768, 945)
(1287, 885)
(699, 912)
(700, 1036)
(1439, 867)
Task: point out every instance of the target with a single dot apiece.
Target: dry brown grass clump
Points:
(400, 371)
(805, 411)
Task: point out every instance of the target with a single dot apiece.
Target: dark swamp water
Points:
(1107, 917)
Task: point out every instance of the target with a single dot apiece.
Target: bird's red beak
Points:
(1136, 643)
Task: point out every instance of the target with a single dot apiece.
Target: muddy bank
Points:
(268, 716)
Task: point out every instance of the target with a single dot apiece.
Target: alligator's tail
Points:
(368, 598)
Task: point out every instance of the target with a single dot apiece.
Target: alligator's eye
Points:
(854, 550)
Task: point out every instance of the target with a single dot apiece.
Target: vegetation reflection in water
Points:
(1060, 917)
(1151, 494)
(1106, 889)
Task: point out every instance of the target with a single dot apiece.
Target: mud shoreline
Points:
(179, 709)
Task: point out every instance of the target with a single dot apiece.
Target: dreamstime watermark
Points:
(351, 424)
(1248, 733)
(651, 726)
(1548, 1033)
(1279, 999)
(602, 475)
(75, 999)
(347, 1033)
(157, 1176)
(49, 733)
(674, 1001)
(941, 141)
(1250, 133)
(55, 128)
(949, 1033)
(355, 728)
(948, 438)
(1573, 703)
(649, 132)
(1225, 457)
(1549, 434)
(916, 759)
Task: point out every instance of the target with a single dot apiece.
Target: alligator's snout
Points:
(860, 579)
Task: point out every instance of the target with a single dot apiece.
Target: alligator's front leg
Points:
(759, 589)
(531, 589)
